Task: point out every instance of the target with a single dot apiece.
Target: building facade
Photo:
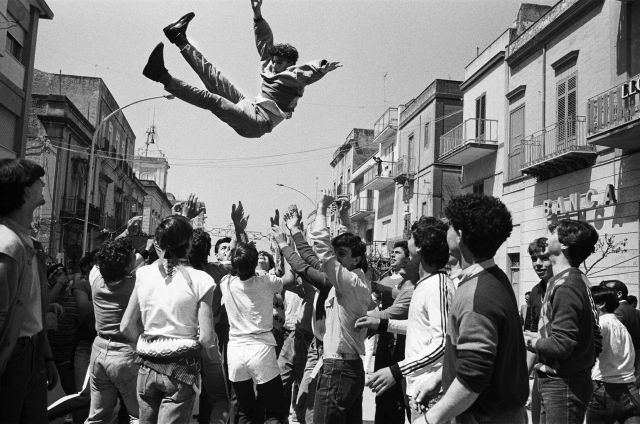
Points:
(17, 56)
(61, 129)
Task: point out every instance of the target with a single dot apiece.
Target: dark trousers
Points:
(23, 386)
(564, 399)
(612, 403)
(390, 406)
(267, 408)
(292, 360)
(339, 392)
(536, 403)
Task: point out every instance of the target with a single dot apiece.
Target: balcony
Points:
(378, 177)
(385, 127)
(557, 150)
(361, 207)
(73, 207)
(404, 169)
(614, 116)
(471, 140)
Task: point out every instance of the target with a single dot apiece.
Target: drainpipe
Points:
(544, 86)
(416, 183)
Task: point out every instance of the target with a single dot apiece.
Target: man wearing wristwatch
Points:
(26, 362)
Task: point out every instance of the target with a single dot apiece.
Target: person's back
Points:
(487, 297)
(249, 305)
(110, 300)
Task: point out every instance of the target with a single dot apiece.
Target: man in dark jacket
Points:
(569, 339)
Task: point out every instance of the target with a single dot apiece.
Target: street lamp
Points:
(89, 191)
(298, 191)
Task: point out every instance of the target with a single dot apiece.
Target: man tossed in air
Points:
(283, 81)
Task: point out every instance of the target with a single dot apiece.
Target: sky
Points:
(411, 42)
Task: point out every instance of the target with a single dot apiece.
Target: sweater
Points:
(570, 339)
(485, 347)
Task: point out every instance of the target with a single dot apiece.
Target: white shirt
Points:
(615, 364)
(426, 326)
(249, 305)
(170, 307)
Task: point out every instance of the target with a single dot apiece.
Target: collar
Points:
(475, 269)
(21, 231)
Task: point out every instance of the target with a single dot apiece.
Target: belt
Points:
(114, 338)
(342, 356)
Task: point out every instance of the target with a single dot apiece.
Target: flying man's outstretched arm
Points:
(262, 31)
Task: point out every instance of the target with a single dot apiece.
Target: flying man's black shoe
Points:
(154, 69)
(178, 29)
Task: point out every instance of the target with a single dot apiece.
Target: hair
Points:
(538, 246)
(485, 222)
(152, 255)
(113, 258)
(285, 51)
(87, 261)
(221, 241)
(579, 237)
(200, 248)
(53, 268)
(430, 236)
(528, 293)
(404, 245)
(244, 260)
(618, 286)
(355, 244)
(15, 176)
(173, 235)
(272, 263)
(605, 295)
(633, 301)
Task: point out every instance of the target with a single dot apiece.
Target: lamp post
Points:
(89, 191)
(298, 191)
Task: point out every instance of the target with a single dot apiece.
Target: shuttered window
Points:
(481, 112)
(516, 135)
(566, 110)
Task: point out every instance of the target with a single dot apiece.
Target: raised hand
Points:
(237, 216)
(278, 235)
(293, 219)
(276, 219)
(190, 208)
(332, 66)
(326, 198)
(134, 224)
(256, 5)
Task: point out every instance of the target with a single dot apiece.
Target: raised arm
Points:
(262, 31)
(316, 278)
(239, 223)
(293, 220)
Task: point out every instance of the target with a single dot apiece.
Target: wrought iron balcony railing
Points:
(472, 130)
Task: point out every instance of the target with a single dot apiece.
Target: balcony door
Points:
(566, 113)
(481, 114)
(516, 135)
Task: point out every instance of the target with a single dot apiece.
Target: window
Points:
(566, 110)
(514, 259)
(478, 187)
(481, 112)
(426, 136)
(14, 47)
(516, 135)
(424, 209)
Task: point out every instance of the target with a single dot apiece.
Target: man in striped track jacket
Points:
(426, 325)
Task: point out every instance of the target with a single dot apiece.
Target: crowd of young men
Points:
(453, 344)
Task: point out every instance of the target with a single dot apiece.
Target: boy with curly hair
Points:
(484, 373)
(283, 81)
(569, 338)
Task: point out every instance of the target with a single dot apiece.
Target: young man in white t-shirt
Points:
(248, 299)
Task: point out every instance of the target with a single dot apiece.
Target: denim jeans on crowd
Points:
(292, 361)
(113, 369)
(614, 403)
(339, 392)
(564, 399)
(163, 399)
(23, 386)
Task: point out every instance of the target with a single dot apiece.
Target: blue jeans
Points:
(564, 399)
(163, 399)
(339, 392)
(614, 403)
(23, 385)
(113, 369)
